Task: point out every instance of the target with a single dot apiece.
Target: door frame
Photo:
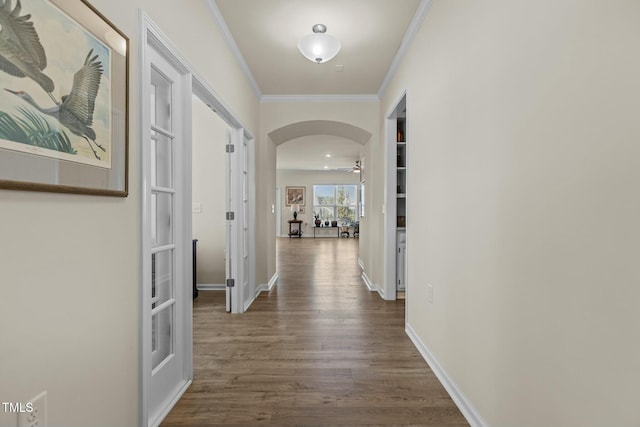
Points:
(151, 37)
(388, 290)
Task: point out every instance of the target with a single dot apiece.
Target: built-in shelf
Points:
(395, 198)
(401, 188)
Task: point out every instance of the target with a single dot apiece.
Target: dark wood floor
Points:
(318, 350)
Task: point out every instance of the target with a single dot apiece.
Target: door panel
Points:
(168, 243)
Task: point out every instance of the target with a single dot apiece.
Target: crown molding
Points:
(231, 42)
(318, 98)
(409, 35)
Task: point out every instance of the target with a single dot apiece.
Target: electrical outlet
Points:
(37, 417)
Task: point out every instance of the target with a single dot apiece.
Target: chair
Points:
(356, 229)
(344, 229)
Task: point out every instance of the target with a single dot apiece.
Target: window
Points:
(335, 202)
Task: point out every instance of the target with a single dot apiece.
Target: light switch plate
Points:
(429, 293)
(196, 208)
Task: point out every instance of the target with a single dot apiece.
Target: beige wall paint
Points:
(209, 189)
(523, 187)
(70, 270)
(308, 180)
(265, 213)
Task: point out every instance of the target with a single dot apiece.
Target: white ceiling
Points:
(310, 153)
(266, 33)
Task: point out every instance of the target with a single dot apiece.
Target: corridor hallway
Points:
(319, 349)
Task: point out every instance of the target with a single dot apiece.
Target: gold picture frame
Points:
(64, 116)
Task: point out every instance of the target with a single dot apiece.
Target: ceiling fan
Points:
(354, 169)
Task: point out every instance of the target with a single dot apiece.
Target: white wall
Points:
(70, 264)
(523, 189)
(209, 189)
(308, 180)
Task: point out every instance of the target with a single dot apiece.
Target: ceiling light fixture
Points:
(319, 47)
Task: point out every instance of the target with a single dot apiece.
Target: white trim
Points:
(214, 101)
(273, 281)
(231, 42)
(248, 303)
(265, 99)
(367, 282)
(211, 287)
(144, 324)
(361, 264)
(267, 287)
(409, 35)
(162, 415)
(462, 402)
(154, 42)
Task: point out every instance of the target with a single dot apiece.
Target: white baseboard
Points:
(361, 264)
(169, 406)
(273, 281)
(266, 287)
(462, 402)
(247, 304)
(367, 282)
(210, 287)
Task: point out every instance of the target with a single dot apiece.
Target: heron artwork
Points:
(21, 53)
(75, 112)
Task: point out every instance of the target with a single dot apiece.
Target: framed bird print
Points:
(63, 98)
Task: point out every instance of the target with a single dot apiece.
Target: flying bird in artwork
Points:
(21, 53)
(75, 112)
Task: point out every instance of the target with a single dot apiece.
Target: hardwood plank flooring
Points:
(318, 350)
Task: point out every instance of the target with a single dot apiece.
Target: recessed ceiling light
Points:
(328, 155)
(326, 167)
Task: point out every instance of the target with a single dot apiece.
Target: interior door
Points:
(168, 283)
(229, 228)
(247, 290)
(237, 221)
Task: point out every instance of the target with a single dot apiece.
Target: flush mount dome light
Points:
(319, 47)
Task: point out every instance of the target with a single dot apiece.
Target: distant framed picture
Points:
(301, 210)
(295, 196)
(64, 107)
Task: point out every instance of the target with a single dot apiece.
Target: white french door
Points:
(238, 221)
(166, 238)
(167, 83)
(229, 268)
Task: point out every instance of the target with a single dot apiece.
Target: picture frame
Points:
(301, 210)
(81, 67)
(295, 196)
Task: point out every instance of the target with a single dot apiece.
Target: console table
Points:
(325, 228)
(294, 232)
